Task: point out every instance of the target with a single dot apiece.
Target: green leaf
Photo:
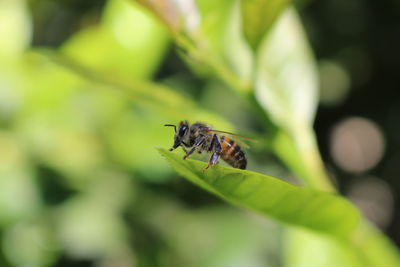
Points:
(15, 28)
(128, 132)
(286, 79)
(214, 19)
(304, 248)
(180, 17)
(286, 87)
(128, 42)
(258, 16)
(370, 249)
(300, 206)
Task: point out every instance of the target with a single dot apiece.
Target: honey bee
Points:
(201, 137)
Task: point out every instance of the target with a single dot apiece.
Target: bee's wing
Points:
(239, 138)
(233, 134)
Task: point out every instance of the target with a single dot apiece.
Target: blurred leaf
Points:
(180, 17)
(258, 16)
(306, 248)
(19, 196)
(376, 248)
(90, 224)
(15, 28)
(154, 96)
(214, 19)
(166, 11)
(63, 127)
(127, 43)
(201, 41)
(236, 49)
(19, 192)
(272, 197)
(30, 243)
(286, 80)
(286, 86)
(220, 236)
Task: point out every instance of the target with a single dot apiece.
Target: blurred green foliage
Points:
(81, 183)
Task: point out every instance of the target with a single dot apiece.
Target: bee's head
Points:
(180, 133)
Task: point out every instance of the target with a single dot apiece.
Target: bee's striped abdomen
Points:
(232, 153)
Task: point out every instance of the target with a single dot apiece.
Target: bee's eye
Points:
(182, 130)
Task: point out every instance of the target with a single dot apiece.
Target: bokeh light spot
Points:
(357, 144)
(335, 83)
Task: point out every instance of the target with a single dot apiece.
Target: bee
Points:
(201, 137)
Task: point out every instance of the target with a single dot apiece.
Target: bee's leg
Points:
(217, 152)
(196, 145)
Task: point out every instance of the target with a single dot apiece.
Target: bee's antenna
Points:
(172, 125)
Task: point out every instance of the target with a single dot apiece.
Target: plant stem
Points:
(302, 157)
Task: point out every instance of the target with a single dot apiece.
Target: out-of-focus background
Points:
(80, 181)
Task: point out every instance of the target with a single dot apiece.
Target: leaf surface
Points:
(286, 83)
(127, 43)
(258, 16)
(275, 198)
